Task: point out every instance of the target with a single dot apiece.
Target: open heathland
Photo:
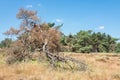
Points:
(101, 66)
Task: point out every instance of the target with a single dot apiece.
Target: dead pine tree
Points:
(44, 37)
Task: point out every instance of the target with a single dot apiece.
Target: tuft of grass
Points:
(2, 58)
(116, 76)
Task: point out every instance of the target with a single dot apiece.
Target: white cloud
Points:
(29, 6)
(39, 5)
(101, 27)
(58, 20)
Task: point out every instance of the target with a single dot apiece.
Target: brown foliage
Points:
(12, 31)
(44, 35)
(26, 14)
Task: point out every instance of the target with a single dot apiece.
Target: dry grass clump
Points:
(116, 76)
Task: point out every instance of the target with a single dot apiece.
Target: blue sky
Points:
(96, 15)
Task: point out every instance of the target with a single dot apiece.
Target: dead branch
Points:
(56, 58)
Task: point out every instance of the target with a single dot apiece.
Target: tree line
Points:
(83, 42)
(89, 41)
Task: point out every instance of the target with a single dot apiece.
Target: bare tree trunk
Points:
(44, 46)
(44, 50)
